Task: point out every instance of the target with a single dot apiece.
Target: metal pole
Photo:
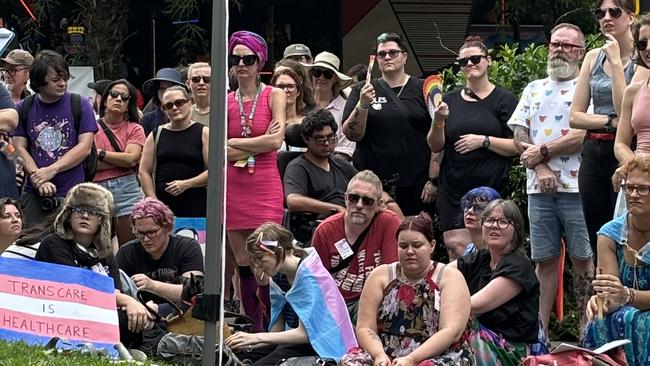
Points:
(215, 229)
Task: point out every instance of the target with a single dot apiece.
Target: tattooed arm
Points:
(521, 134)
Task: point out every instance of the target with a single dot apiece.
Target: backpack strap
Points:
(75, 101)
(24, 112)
(110, 135)
(156, 137)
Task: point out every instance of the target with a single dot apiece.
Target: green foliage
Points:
(552, 12)
(190, 38)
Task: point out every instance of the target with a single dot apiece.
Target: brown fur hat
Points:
(88, 195)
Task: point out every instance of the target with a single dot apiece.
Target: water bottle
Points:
(9, 150)
(250, 163)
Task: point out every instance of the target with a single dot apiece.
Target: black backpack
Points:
(90, 163)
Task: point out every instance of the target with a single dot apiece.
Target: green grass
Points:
(20, 354)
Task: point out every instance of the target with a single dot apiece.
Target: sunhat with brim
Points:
(166, 74)
(329, 61)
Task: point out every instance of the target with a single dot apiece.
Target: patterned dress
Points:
(627, 322)
(407, 318)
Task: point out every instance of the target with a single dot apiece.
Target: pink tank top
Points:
(641, 119)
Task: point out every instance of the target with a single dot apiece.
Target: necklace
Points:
(246, 122)
(406, 78)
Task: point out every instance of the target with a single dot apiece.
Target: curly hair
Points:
(153, 208)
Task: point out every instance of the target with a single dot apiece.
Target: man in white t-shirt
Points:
(550, 149)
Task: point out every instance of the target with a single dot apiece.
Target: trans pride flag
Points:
(319, 305)
(40, 300)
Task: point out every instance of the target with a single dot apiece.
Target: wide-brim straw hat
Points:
(328, 60)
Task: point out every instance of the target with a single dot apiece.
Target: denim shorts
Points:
(553, 216)
(126, 193)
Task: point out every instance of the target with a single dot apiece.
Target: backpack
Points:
(90, 162)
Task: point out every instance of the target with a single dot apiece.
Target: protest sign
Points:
(39, 301)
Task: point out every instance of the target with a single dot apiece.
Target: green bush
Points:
(513, 69)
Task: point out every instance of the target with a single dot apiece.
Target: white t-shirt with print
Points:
(544, 109)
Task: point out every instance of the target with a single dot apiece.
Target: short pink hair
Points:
(150, 207)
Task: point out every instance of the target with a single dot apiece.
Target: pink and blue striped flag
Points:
(39, 301)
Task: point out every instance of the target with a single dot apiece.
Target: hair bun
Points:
(424, 216)
(474, 38)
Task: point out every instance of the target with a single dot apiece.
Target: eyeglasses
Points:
(287, 87)
(141, 235)
(392, 53)
(476, 59)
(642, 190)
(615, 12)
(500, 223)
(324, 140)
(565, 47)
(641, 44)
(85, 211)
(197, 79)
(327, 74)
(478, 207)
(354, 198)
(236, 59)
(13, 72)
(177, 103)
(124, 96)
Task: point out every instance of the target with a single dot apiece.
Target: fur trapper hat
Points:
(88, 195)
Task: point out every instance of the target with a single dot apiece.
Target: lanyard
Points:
(247, 122)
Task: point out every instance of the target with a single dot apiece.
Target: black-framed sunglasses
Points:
(178, 103)
(641, 44)
(381, 55)
(324, 140)
(354, 198)
(615, 12)
(124, 96)
(236, 59)
(564, 47)
(326, 73)
(476, 59)
(197, 79)
(500, 223)
(642, 190)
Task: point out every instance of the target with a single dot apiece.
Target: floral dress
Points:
(408, 316)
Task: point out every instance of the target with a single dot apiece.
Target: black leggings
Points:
(272, 355)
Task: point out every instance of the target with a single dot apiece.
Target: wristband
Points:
(433, 181)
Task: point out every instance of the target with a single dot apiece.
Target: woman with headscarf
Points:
(256, 116)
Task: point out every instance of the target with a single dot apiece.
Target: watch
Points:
(610, 117)
(486, 142)
(101, 155)
(543, 150)
(433, 181)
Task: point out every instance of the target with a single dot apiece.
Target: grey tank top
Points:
(601, 85)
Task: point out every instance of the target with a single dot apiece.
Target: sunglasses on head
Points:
(178, 103)
(124, 96)
(354, 198)
(615, 12)
(327, 74)
(476, 59)
(641, 44)
(236, 59)
(197, 79)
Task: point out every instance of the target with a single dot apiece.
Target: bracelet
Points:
(433, 181)
(629, 298)
(439, 125)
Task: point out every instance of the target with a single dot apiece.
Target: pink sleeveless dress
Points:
(641, 119)
(252, 200)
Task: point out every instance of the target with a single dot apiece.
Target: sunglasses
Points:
(324, 140)
(327, 74)
(641, 44)
(197, 79)
(124, 96)
(236, 59)
(476, 59)
(177, 103)
(287, 87)
(392, 53)
(354, 198)
(615, 12)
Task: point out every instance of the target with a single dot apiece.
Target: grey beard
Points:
(559, 69)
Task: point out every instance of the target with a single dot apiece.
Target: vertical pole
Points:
(215, 228)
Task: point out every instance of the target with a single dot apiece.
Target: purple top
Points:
(51, 134)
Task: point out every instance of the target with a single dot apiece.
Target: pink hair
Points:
(150, 207)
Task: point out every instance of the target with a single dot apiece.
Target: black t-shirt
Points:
(305, 178)
(182, 255)
(54, 249)
(517, 319)
(394, 144)
(8, 187)
(461, 172)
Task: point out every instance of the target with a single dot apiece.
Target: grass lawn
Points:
(20, 354)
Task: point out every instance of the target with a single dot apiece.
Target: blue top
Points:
(601, 85)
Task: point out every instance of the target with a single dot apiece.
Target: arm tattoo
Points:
(373, 335)
(521, 134)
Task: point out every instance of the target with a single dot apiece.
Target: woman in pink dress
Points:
(256, 116)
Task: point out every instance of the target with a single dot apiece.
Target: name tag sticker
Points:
(343, 248)
(241, 163)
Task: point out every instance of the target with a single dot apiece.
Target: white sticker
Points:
(343, 248)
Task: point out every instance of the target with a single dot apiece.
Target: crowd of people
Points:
(358, 170)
